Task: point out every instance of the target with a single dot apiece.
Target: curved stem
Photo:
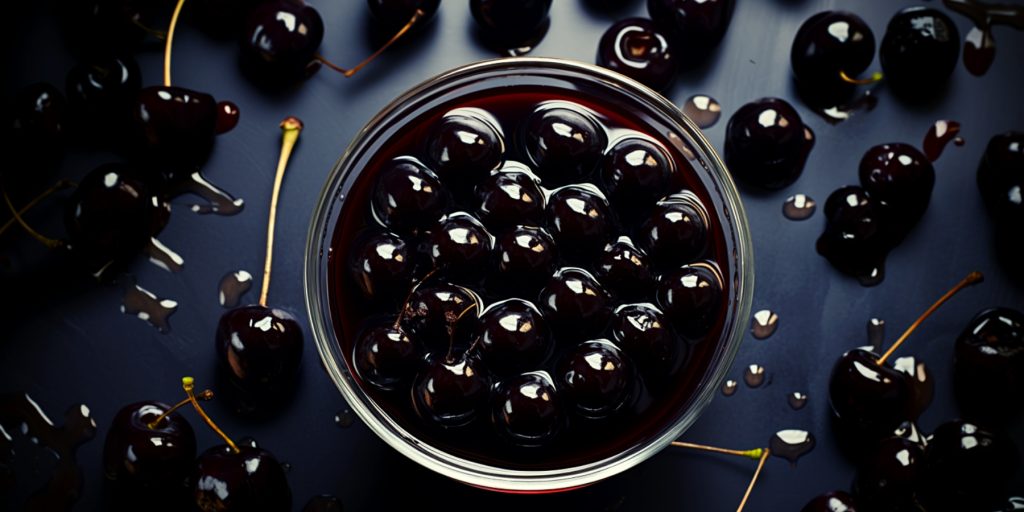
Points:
(60, 185)
(408, 297)
(291, 127)
(48, 242)
(416, 16)
(750, 454)
(753, 480)
(205, 395)
(170, 42)
(874, 78)
(188, 384)
(972, 278)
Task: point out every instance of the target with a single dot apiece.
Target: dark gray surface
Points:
(65, 348)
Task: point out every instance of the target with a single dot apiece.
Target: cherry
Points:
(514, 335)
(580, 219)
(280, 39)
(385, 356)
(143, 455)
(624, 268)
(460, 245)
(382, 265)
(869, 399)
(694, 25)
(408, 197)
(856, 239)
(451, 391)
(890, 477)
(100, 94)
(564, 142)
(176, 124)
(510, 23)
(575, 303)
(919, 50)
(645, 334)
(38, 123)
(1001, 178)
(691, 298)
(636, 48)
(393, 14)
(832, 501)
(635, 173)
(510, 197)
(830, 49)
(989, 363)
(465, 145)
(260, 347)
(597, 378)
(248, 477)
(526, 257)
(435, 315)
(677, 231)
(901, 177)
(766, 144)
(969, 467)
(528, 411)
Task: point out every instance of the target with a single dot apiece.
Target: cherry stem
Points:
(159, 34)
(971, 279)
(291, 127)
(205, 396)
(408, 297)
(753, 480)
(48, 242)
(451, 333)
(60, 185)
(188, 384)
(416, 16)
(750, 454)
(170, 41)
(873, 79)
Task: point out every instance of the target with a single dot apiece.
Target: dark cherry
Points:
(528, 410)
(176, 124)
(677, 231)
(919, 50)
(111, 216)
(832, 501)
(437, 316)
(460, 246)
(514, 335)
(856, 237)
(580, 219)
(889, 478)
(871, 400)
(510, 22)
(394, 14)
(253, 479)
(465, 146)
(526, 258)
(645, 334)
(1001, 178)
(694, 25)
(636, 48)
(223, 18)
(828, 44)
(140, 458)
(624, 269)
(635, 173)
(382, 265)
(575, 304)
(38, 123)
(280, 39)
(101, 93)
(510, 197)
(597, 379)
(900, 176)
(989, 363)
(969, 467)
(408, 197)
(691, 298)
(451, 391)
(385, 356)
(260, 348)
(564, 142)
(766, 144)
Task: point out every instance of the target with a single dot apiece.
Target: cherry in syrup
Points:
(451, 390)
(385, 356)
(511, 197)
(564, 142)
(513, 335)
(691, 297)
(408, 197)
(382, 264)
(581, 221)
(527, 410)
(635, 173)
(465, 146)
(526, 256)
(597, 378)
(575, 303)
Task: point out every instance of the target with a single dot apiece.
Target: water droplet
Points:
(876, 333)
(799, 207)
(797, 400)
(232, 287)
(703, 110)
(217, 201)
(764, 324)
(754, 376)
(730, 387)
(344, 418)
(791, 444)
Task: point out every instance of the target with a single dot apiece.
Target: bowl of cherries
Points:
(528, 274)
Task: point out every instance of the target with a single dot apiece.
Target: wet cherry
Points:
(766, 144)
(919, 50)
(989, 363)
(1001, 178)
(260, 347)
(635, 173)
(624, 269)
(902, 178)
(408, 197)
(580, 219)
(451, 391)
(511, 197)
(575, 303)
(142, 456)
(526, 257)
(527, 410)
(465, 146)
(438, 315)
(691, 298)
(645, 334)
(969, 467)
(677, 231)
(251, 478)
(870, 400)
(385, 356)
(279, 42)
(636, 48)
(564, 142)
(176, 124)
(889, 478)
(856, 239)
(510, 23)
(382, 264)
(831, 46)
(513, 335)
(597, 378)
(460, 246)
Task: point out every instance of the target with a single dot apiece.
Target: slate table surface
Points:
(70, 345)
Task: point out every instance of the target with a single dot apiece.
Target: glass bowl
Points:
(617, 93)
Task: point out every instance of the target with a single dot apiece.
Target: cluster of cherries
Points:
(594, 258)
(963, 465)
(1001, 181)
(648, 50)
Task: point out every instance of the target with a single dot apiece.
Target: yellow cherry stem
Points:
(753, 480)
(170, 42)
(873, 79)
(754, 454)
(60, 185)
(188, 384)
(971, 279)
(50, 243)
(416, 16)
(291, 127)
(206, 395)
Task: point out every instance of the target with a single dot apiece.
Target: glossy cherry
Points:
(575, 303)
(766, 144)
(440, 315)
(832, 501)
(510, 197)
(408, 196)
(514, 335)
(677, 230)
(970, 467)
(465, 146)
(510, 23)
(460, 246)
(869, 399)
(889, 478)
(856, 239)
(250, 479)
(597, 378)
(527, 410)
(692, 297)
(176, 124)
(564, 142)
(101, 92)
(279, 42)
(635, 47)
(828, 46)
(385, 356)
(526, 257)
(260, 348)
(642, 330)
(989, 363)
(919, 50)
(382, 265)
(635, 173)
(580, 219)
(695, 26)
(451, 390)
(393, 14)
(900, 176)
(142, 457)
(624, 268)
(1001, 178)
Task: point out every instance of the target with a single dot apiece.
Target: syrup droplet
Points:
(876, 333)
(703, 110)
(940, 134)
(345, 418)
(979, 51)
(979, 45)
(865, 102)
(754, 376)
(217, 200)
(919, 372)
(163, 257)
(233, 286)
(799, 207)
(323, 503)
(959, 141)
(797, 400)
(791, 444)
(764, 324)
(227, 117)
(65, 481)
(730, 387)
(144, 304)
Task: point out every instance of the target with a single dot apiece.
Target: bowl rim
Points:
(494, 477)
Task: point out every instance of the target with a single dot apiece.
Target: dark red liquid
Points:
(584, 441)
